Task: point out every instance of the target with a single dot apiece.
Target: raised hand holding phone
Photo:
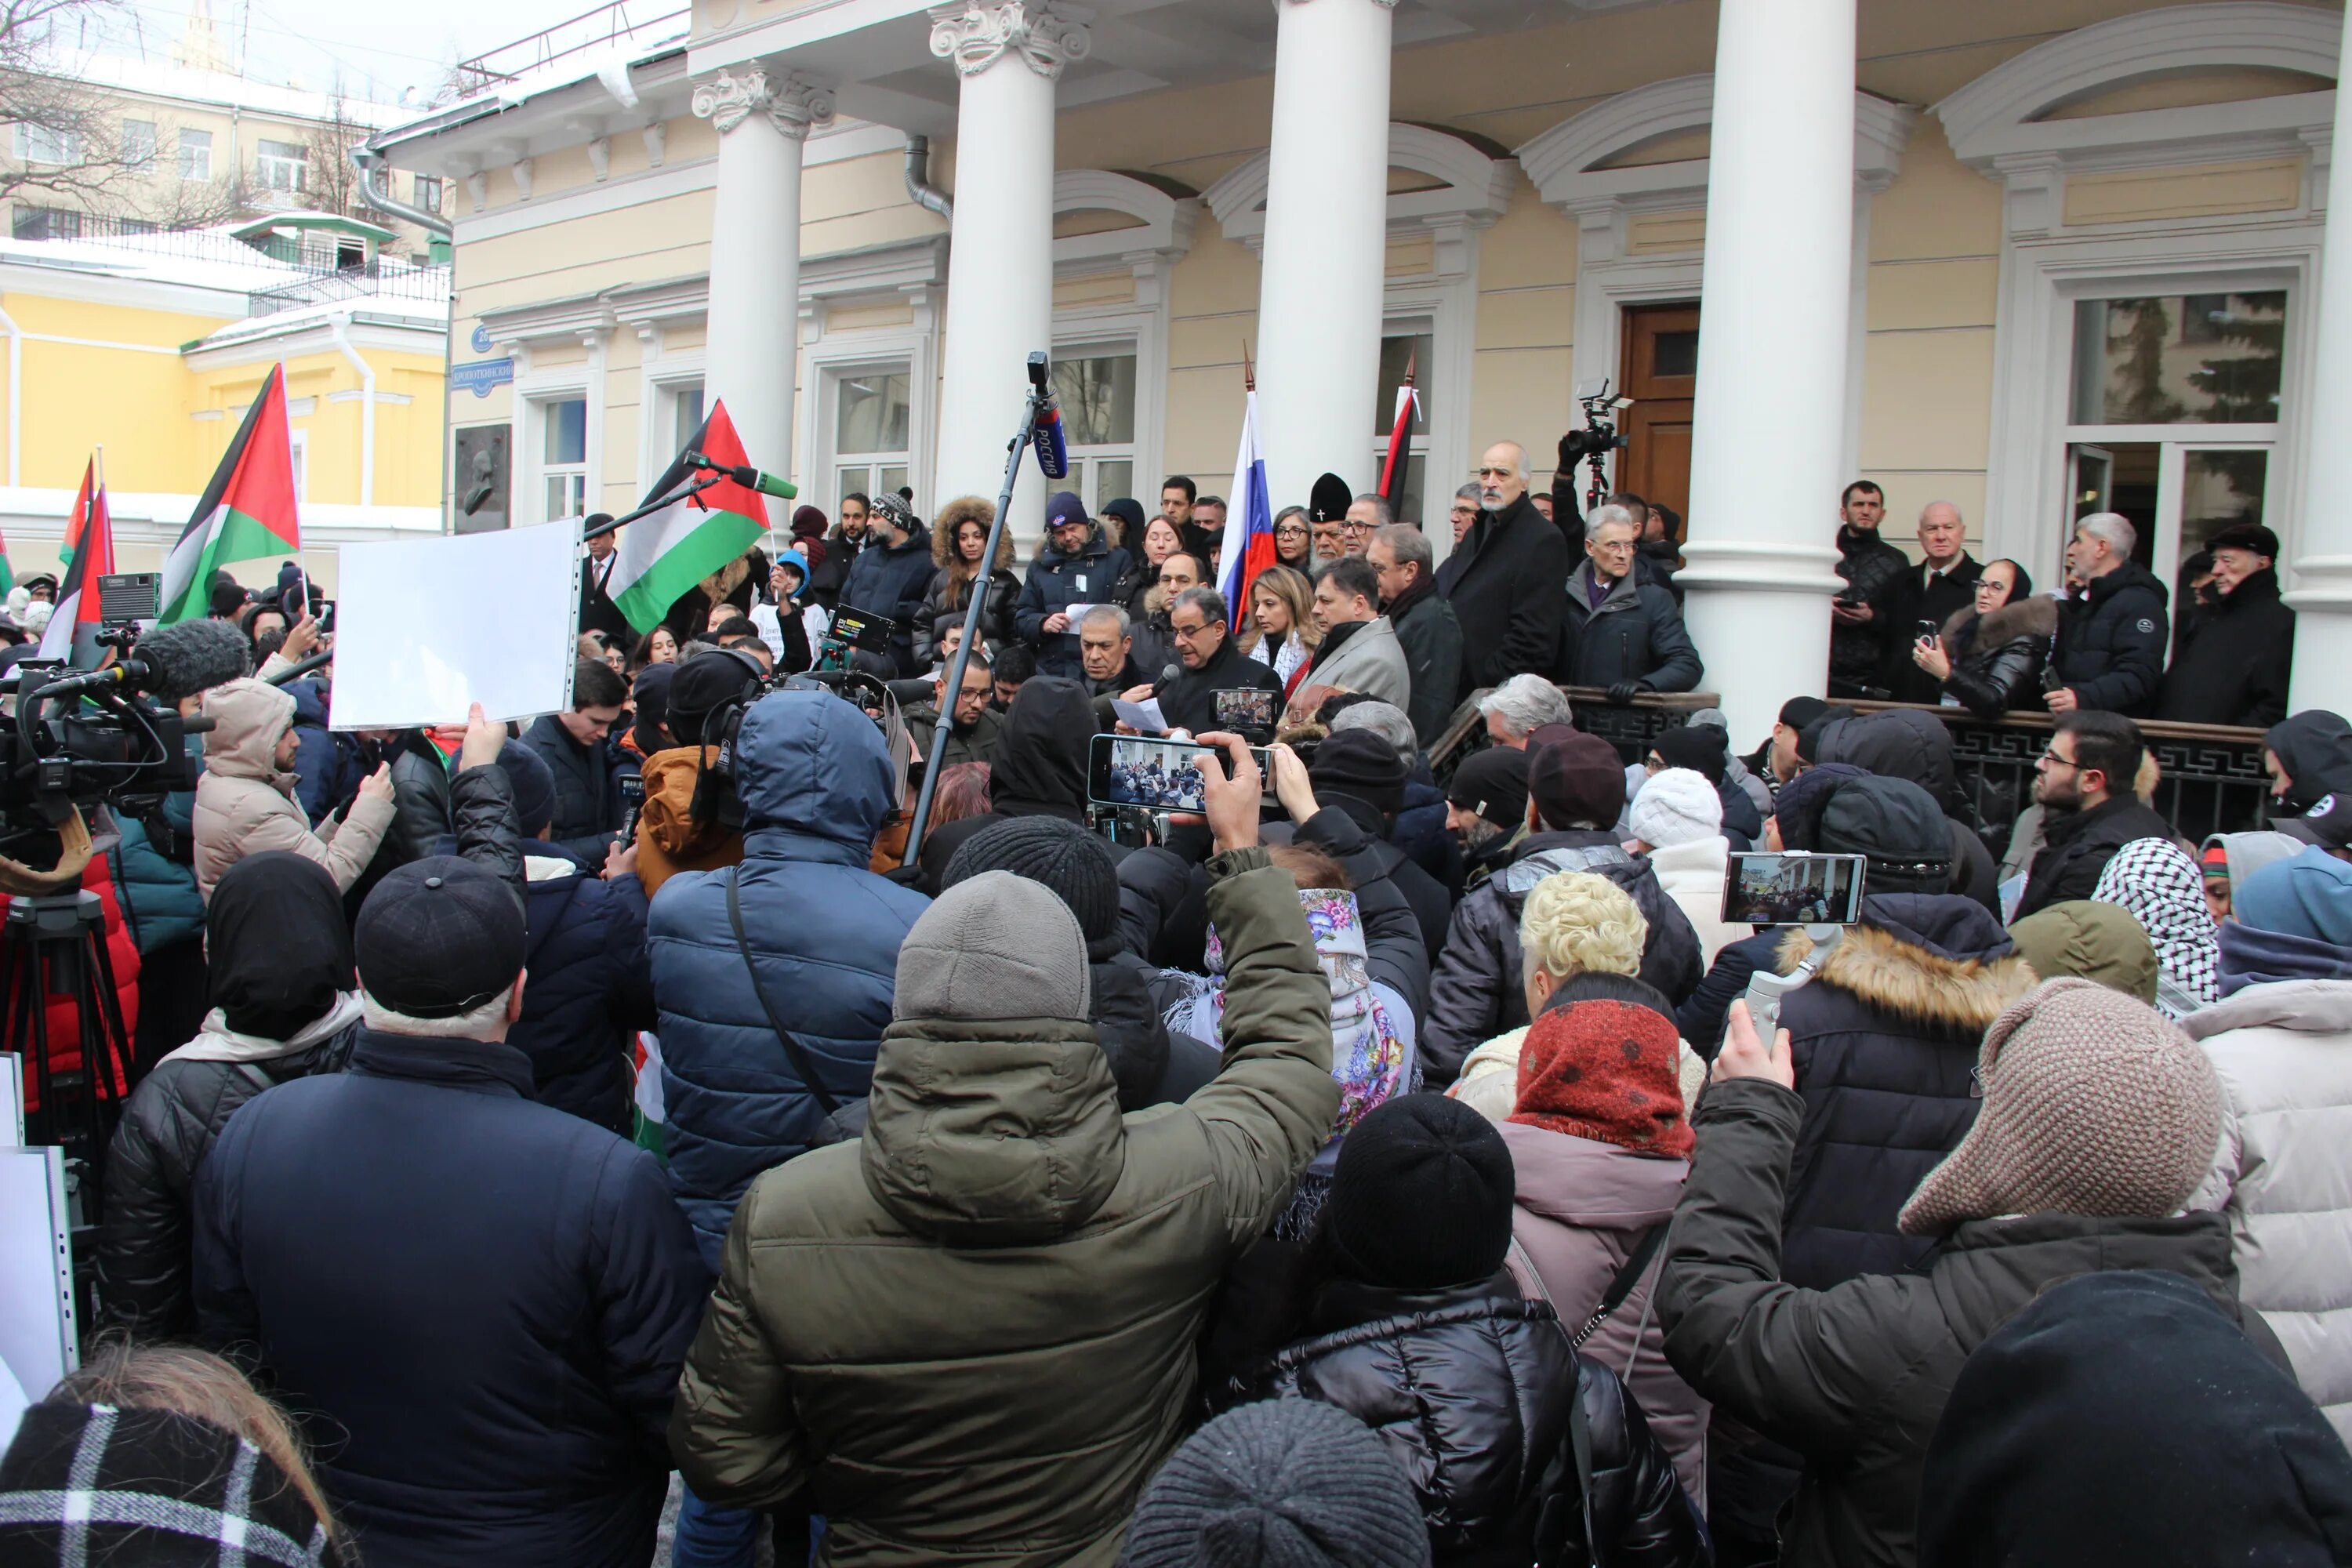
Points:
(1231, 785)
(1744, 1055)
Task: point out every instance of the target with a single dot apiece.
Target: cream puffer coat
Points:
(244, 801)
(2283, 1171)
(1693, 876)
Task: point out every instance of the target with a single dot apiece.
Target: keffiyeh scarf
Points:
(2155, 880)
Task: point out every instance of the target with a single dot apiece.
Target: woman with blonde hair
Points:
(1281, 632)
(959, 539)
(164, 1454)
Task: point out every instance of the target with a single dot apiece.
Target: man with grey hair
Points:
(1505, 580)
(522, 1282)
(1425, 624)
(1367, 512)
(1464, 513)
(2111, 640)
(1212, 662)
(1107, 652)
(1940, 586)
(1520, 706)
(1625, 635)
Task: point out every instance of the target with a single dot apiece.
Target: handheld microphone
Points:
(1167, 674)
(751, 478)
(1053, 448)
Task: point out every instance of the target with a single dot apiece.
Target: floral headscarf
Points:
(2158, 883)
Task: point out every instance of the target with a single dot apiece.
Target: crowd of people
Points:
(616, 1138)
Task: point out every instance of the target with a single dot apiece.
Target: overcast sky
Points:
(377, 48)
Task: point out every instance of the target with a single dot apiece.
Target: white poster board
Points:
(424, 627)
(12, 1099)
(36, 1308)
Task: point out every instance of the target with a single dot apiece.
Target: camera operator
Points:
(244, 801)
(689, 821)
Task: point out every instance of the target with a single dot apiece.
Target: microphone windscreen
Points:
(194, 656)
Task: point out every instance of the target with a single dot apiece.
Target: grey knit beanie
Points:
(998, 946)
(1284, 1483)
(2093, 1104)
(1063, 856)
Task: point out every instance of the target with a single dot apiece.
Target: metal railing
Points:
(384, 277)
(653, 20)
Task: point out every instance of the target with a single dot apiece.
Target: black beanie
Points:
(651, 695)
(703, 683)
(1799, 711)
(1699, 747)
(1494, 784)
(1362, 764)
(1071, 863)
(1282, 1483)
(1421, 1195)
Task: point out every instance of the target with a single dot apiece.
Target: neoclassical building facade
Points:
(2035, 258)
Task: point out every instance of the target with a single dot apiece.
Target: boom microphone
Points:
(751, 478)
(1052, 448)
(171, 663)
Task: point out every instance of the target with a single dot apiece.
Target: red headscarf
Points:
(1605, 1071)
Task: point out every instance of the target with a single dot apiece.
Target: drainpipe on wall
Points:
(920, 190)
(16, 390)
(367, 408)
(377, 192)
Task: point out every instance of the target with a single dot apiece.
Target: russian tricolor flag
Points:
(1249, 519)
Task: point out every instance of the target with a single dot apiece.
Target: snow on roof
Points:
(158, 78)
(210, 259)
(388, 309)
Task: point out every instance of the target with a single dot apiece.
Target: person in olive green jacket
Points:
(970, 1336)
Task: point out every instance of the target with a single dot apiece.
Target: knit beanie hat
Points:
(1799, 711)
(2309, 896)
(651, 694)
(1699, 747)
(1574, 777)
(533, 784)
(1676, 806)
(1420, 1197)
(1061, 856)
(1607, 1071)
(808, 523)
(1282, 1483)
(2094, 942)
(2093, 1104)
(1362, 764)
(1494, 784)
(997, 946)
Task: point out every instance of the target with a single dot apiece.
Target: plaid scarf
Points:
(150, 1489)
(2155, 880)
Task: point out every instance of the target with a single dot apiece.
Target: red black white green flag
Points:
(664, 553)
(72, 631)
(247, 511)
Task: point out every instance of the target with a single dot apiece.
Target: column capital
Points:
(790, 104)
(976, 34)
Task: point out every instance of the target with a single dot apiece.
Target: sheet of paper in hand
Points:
(425, 626)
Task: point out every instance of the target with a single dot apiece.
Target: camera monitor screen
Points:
(1793, 890)
(863, 629)
(1151, 775)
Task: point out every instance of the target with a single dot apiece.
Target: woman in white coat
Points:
(1678, 822)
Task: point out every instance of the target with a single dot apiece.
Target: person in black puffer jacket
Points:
(1907, 745)
(285, 1005)
(1874, 571)
(891, 575)
(1418, 1332)
(2111, 641)
(1576, 790)
(1992, 655)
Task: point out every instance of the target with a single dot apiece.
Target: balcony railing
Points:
(384, 277)
(641, 22)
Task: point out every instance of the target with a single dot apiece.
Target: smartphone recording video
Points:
(1793, 889)
(1245, 708)
(1154, 775)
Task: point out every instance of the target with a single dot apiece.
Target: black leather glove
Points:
(1622, 694)
(1568, 460)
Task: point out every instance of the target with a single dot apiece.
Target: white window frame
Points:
(298, 441)
(914, 272)
(539, 406)
(46, 145)
(829, 425)
(427, 192)
(1417, 442)
(138, 160)
(195, 156)
(1123, 333)
(277, 172)
(664, 381)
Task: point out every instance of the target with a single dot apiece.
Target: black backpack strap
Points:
(1629, 1274)
(792, 1048)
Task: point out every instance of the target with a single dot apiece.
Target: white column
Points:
(762, 120)
(1769, 431)
(1326, 260)
(1001, 249)
(2321, 549)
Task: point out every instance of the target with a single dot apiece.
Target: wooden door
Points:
(1661, 361)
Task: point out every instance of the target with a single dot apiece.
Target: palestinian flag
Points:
(7, 573)
(247, 513)
(664, 553)
(75, 524)
(72, 632)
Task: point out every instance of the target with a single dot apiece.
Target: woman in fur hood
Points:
(958, 538)
(1990, 655)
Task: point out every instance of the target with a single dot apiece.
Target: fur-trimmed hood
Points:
(1937, 958)
(956, 512)
(2034, 616)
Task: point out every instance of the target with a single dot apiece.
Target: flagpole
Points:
(100, 447)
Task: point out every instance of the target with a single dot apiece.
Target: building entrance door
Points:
(1661, 360)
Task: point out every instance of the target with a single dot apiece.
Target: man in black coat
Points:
(2084, 782)
(1924, 598)
(891, 575)
(1622, 635)
(2111, 640)
(2234, 672)
(1212, 661)
(1862, 617)
(482, 1298)
(597, 611)
(1507, 579)
(1425, 625)
(572, 744)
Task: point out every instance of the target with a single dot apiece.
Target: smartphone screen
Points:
(1245, 708)
(633, 801)
(1153, 776)
(1792, 888)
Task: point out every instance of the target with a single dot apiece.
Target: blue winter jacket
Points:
(815, 784)
(327, 765)
(160, 903)
(590, 986)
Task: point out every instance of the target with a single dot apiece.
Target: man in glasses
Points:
(1623, 635)
(1505, 578)
(1212, 662)
(1464, 513)
(1365, 514)
(2084, 782)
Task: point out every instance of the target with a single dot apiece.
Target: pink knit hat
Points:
(2093, 1104)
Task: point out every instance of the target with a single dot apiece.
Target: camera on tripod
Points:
(1599, 437)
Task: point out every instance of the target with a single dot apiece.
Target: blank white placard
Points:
(425, 626)
(37, 1316)
(12, 1099)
